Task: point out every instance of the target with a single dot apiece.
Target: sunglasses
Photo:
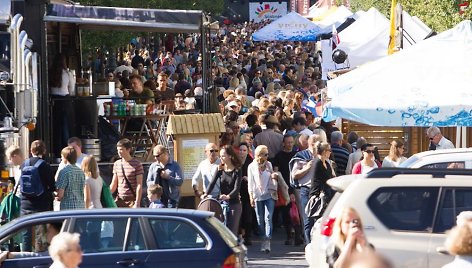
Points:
(213, 151)
(369, 151)
(157, 155)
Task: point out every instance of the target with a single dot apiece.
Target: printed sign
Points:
(267, 11)
(193, 152)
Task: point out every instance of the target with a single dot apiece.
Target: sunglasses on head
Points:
(369, 151)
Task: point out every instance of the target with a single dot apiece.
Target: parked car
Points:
(405, 214)
(133, 237)
(448, 158)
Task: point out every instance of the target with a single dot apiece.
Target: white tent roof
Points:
(414, 30)
(426, 84)
(366, 39)
(336, 18)
(291, 27)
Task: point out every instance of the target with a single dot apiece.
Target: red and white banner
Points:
(293, 5)
(267, 10)
(303, 7)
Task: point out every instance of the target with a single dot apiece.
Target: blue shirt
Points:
(171, 186)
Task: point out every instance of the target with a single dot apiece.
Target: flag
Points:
(334, 38)
(391, 42)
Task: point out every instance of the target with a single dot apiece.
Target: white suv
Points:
(405, 217)
(459, 158)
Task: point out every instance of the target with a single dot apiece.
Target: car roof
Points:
(444, 151)
(129, 212)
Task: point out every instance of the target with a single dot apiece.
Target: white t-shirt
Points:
(66, 85)
(387, 162)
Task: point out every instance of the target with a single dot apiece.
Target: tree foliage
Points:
(439, 15)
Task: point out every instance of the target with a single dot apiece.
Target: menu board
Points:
(192, 152)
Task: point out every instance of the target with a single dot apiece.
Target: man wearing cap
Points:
(268, 137)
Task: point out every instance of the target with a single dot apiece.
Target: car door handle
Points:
(128, 262)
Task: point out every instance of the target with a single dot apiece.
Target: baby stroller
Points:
(220, 208)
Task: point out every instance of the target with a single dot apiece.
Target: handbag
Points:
(316, 205)
(294, 215)
(282, 191)
(106, 198)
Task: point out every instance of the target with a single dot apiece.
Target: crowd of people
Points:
(265, 91)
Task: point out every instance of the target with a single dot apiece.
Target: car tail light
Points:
(327, 228)
(230, 262)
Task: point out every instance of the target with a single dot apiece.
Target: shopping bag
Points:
(294, 215)
(106, 198)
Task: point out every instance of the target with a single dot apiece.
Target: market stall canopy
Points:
(426, 84)
(291, 27)
(5, 10)
(336, 18)
(152, 20)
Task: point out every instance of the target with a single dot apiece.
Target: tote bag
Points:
(106, 198)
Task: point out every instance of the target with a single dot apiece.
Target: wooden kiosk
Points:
(191, 133)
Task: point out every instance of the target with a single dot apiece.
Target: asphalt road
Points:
(280, 255)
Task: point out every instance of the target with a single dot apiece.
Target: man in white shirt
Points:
(438, 139)
(206, 170)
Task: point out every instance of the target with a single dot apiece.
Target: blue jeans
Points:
(304, 193)
(265, 209)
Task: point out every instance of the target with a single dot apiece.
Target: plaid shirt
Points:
(72, 180)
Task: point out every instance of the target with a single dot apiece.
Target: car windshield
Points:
(225, 233)
(409, 162)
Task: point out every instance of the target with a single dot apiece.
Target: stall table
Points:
(151, 133)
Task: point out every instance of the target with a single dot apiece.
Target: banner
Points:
(293, 5)
(303, 7)
(267, 10)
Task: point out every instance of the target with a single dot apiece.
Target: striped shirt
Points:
(72, 180)
(132, 169)
(341, 156)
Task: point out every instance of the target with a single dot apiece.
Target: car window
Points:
(32, 240)
(456, 164)
(135, 237)
(454, 201)
(405, 209)
(173, 234)
(101, 235)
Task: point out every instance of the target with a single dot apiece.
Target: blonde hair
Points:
(338, 237)
(13, 150)
(61, 243)
(90, 167)
(459, 240)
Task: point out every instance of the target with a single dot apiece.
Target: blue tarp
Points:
(291, 27)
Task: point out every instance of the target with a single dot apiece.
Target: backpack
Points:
(30, 180)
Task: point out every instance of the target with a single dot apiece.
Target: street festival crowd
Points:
(270, 165)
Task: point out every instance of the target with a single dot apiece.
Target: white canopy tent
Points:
(336, 18)
(367, 39)
(291, 27)
(423, 85)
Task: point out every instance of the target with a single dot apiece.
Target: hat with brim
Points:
(231, 104)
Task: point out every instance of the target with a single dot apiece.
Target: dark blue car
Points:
(130, 238)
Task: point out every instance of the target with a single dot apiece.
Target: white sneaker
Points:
(267, 248)
(264, 245)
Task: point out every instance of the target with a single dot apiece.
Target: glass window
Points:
(405, 209)
(135, 238)
(172, 234)
(32, 240)
(101, 235)
(454, 201)
(458, 164)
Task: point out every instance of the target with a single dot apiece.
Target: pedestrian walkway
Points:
(280, 256)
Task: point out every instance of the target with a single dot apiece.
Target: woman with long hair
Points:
(229, 178)
(93, 183)
(395, 156)
(348, 238)
(262, 185)
(247, 210)
(367, 162)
